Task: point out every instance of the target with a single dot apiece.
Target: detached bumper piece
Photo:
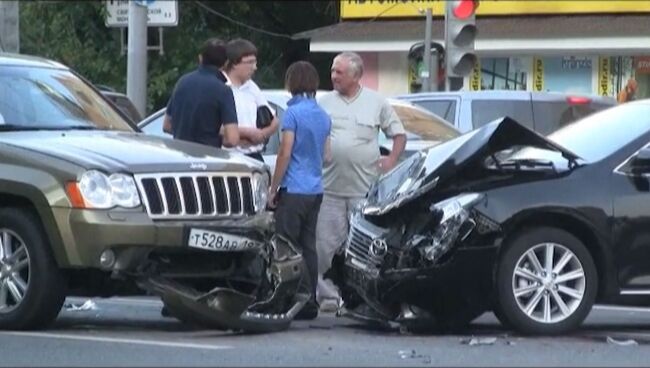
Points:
(277, 303)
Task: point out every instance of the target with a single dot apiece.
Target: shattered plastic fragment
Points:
(87, 305)
(479, 341)
(404, 354)
(411, 354)
(628, 342)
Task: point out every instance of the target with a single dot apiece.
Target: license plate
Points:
(220, 242)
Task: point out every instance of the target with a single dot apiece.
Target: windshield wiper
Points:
(518, 164)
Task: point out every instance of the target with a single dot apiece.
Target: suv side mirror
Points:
(641, 162)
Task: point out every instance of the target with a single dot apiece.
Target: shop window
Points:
(503, 74)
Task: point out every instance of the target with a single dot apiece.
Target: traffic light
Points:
(460, 33)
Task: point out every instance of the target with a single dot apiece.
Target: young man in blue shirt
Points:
(297, 188)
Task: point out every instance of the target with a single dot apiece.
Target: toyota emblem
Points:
(378, 247)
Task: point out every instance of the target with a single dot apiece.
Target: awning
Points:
(522, 35)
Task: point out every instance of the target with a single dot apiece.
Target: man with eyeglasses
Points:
(239, 69)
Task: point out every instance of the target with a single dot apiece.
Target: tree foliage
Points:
(74, 33)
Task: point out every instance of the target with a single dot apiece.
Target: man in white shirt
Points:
(239, 69)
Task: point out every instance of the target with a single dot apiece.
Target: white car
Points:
(424, 129)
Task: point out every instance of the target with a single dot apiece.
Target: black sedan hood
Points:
(440, 164)
(499, 135)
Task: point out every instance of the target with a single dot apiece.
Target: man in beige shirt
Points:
(357, 114)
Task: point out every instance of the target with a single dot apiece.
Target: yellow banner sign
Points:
(538, 75)
(475, 77)
(603, 76)
(414, 8)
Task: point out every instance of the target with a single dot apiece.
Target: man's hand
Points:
(386, 163)
(273, 198)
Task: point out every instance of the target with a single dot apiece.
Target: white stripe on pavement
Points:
(121, 301)
(116, 340)
(621, 308)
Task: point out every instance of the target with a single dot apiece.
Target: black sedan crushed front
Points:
(536, 229)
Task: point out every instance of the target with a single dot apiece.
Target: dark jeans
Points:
(295, 218)
(256, 155)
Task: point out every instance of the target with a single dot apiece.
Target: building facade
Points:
(582, 47)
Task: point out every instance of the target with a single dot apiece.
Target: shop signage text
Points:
(475, 77)
(538, 75)
(572, 62)
(603, 76)
(642, 64)
(415, 8)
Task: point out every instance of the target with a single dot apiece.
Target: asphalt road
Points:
(131, 332)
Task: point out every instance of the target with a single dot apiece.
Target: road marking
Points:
(117, 340)
(120, 301)
(622, 308)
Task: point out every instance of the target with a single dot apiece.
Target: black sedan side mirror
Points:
(641, 162)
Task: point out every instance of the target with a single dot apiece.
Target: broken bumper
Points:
(272, 308)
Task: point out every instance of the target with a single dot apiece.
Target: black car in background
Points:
(501, 218)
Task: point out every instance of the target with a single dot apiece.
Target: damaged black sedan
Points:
(535, 229)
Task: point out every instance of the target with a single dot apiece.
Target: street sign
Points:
(160, 13)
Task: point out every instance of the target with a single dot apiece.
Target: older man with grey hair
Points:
(357, 114)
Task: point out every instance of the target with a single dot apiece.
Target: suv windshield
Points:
(43, 98)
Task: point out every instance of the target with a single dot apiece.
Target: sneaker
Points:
(308, 312)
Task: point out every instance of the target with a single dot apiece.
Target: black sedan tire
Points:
(32, 288)
(546, 282)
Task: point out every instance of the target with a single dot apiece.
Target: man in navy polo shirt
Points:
(201, 103)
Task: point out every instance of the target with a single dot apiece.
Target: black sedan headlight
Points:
(455, 213)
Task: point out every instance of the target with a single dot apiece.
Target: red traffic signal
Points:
(463, 9)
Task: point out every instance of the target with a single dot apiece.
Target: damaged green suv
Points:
(89, 206)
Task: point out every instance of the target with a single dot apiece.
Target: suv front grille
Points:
(196, 195)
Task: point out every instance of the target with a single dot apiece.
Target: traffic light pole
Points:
(136, 69)
(426, 57)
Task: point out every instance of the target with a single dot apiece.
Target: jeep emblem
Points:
(197, 166)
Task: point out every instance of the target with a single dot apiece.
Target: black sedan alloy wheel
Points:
(546, 282)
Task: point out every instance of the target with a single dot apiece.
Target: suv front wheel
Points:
(32, 288)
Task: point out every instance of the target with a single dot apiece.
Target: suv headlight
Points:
(260, 191)
(98, 190)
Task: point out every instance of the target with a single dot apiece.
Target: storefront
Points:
(585, 47)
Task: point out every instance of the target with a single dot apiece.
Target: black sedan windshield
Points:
(42, 98)
(599, 135)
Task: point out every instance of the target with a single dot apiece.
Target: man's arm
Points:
(230, 135)
(327, 155)
(393, 128)
(167, 124)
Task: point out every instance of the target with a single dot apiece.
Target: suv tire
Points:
(32, 288)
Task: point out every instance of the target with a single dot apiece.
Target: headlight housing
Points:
(98, 190)
(402, 184)
(260, 191)
(454, 214)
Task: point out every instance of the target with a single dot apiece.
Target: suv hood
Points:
(440, 164)
(114, 151)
